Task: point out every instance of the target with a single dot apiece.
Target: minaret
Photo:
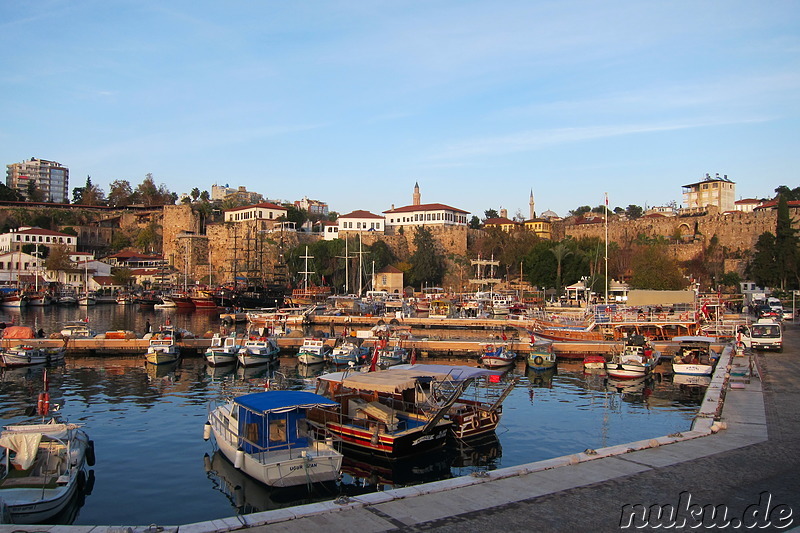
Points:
(417, 198)
(532, 205)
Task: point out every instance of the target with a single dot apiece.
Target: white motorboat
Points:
(258, 351)
(694, 356)
(223, 350)
(313, 351)
(267, 436)
(636, 360)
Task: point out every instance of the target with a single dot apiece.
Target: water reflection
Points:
(149, 420)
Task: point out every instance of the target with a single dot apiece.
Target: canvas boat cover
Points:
(25, 439)
(455, 372)
(282, 401)
(390, 381)
(18, 332)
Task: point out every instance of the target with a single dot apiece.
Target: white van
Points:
(765, 334)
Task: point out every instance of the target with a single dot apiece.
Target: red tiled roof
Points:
(360, 213)
(498, 220)
(774, 203)
(265, 205)
(425, 207)
(42, 231)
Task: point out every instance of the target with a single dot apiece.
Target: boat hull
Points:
(409, 442)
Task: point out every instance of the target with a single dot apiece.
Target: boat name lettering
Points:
(425, 438)
(300, 467)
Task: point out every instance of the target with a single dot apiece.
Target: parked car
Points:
(788, 314)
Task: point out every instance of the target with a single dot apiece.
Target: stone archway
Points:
(685, 231)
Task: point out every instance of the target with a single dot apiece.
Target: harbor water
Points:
(153, 467)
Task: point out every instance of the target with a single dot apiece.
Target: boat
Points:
(476, 413)
(594, 363)
(66, 297)
(313, 351)
(348, 352)
(12, 298)
(162, 349)
(694, 356)
(541, 356)
(497, 355)
(87, 299)
(382, 412)
(636, 360)
(78, 329)
(39, 299)
(223, 350)
(202, 299)
(258, 351)
(43, 465)
(267, 435)
(386, 356)
(165, 303)
(124, 298)
(28, 355)
(182, 300)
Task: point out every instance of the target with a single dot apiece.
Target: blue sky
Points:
(352, 102)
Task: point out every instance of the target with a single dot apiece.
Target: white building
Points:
(16, 239)
(361, 220)
(265, 211)
(419, 214)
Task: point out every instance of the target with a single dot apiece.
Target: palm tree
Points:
(561, 251)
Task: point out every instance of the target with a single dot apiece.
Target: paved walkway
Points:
(758, 452)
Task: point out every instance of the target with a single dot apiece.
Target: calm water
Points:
(147, 425)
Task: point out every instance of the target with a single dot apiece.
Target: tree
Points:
(580, 210)
(490, 213)
(8, 194)
(122, 276)
(786, 245)
(789, 194)
(427, 264)
(58, 258)
(763, 269)
(298, 216)
(34, 193)
(560, 251)
(475, 222)
(148, 194)
(205, 196)
(654, 269)
(120, 193)
(634, 211)
(92, 195)
(195, 194)
(148, 240)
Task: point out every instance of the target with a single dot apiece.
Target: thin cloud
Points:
(535, 140)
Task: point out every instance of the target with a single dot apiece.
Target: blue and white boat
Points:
(348, 353)
(223, 350)
(267, 436)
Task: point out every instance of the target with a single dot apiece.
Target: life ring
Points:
(617, 318)
(538, 360)
(662, 316)
(489, 348)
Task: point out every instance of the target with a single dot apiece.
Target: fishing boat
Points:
(165, 303)
(313, 351)
(476, 413)
(391, 355)
(39, 299)
(27, 355)
(383, 412)
(43, 465)
(541, 357)
(260, 351)
(348, 352)
(66, 297)
(267, 435)
(124, 298)
(162, 349)
(694, 356)
(223, 350)
(496, 356)
(87, 299)
(12, 298)
(636, 360)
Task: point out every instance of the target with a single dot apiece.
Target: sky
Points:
(353, 102)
